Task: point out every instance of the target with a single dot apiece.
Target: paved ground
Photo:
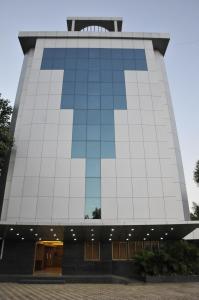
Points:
(167, 291)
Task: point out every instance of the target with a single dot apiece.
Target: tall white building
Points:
(95, 173)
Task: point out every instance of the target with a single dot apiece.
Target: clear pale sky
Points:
(180, 18)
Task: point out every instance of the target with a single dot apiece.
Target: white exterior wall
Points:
(142, 185)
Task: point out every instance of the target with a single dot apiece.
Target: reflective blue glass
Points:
(106, 88)
(129, 54)
(80, 102)
(81, 88)
(107, 117)
(94, 64)
(94, 76)
(117, 64)
(71, 52)
(93, 132)
(106, 76)
(119, 89)
(93, 102)
(93, 167)
(117, 53)
(106, 102)
(67, 101)
(58, 64)
(69, 64)
(118, 76)
(47, 64)
(69, 75)
(93, 187)
(79, 132)
(93, 149)
(49, 53)
(140, 54)
(82, 52)
(60, 53)
(93, 88)
(106, 64)
(94, 53)
(107, 149)
(105, 53)
(93, 117)
(107, 133)
(80, 116)
(82, 64)
(68, 87)
(130, 64)
(119, 102)
(82, 75)
(141, 64)
(78, 149)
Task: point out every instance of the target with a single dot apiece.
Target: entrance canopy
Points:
(97, 232)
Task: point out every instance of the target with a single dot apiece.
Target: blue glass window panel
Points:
(82, 64)
(117, 53)
(93, 88)
(120, 102)
(58, 64)
(94, 64)
(92, 204)
(49, 52)
(47, 64)
(81, 75)
(80, 102)
(93, 167)
(80, 116)
(107, 117)
(105, 53)
(140, 54)
(68, 87)
(60, 53)
(106, 76)
(81, 88)
(93, 102)
(119, 88)
(82, 52)
(94, 53)
(70, 64)
(69, 75)
(78, 149)
(93, 132)
(106, 88)
(129, 64)
(93, 187)
(118, 76)
(107, 149)
(129, 54)
(67, 101)
(93, 117)
(107, 133)
(106, 64)
(117, 64)
(94, 76)
(141, 65)
(79, 133)
(71, 52)
(106, 102)
(93, 149)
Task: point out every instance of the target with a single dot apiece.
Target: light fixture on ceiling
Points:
(171, 228)
(92, 239)
(110, 239)
(31, 229)
(54, 234)
(129, 234)
(132, 229)
(11, 229)
(51, 229)
(36, 234)
(17, 233)
(152, 229)
(71, 229)
(148, 234)
(127, 239)
(166, 233)
(112, 229)
(74, 239)
(22, 238)
(161, 238)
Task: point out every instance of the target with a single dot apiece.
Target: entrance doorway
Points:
(48, 258)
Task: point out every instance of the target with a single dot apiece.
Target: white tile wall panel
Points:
(31, 186)
(76, 208)
(145, 102)
(44, 208)
(155, 188)
(47, 167)
(62, 167)
(133, 102)
(77, 187)
(124, 187)
(137, 149)
(28, 207)
(123, 168)
(39, 116)
(50, 148)
(14, 207)
(121, 133)
(78, 168)
(141, 208)
(140, 188)
(108, 187)
(17, 186)
(19, 167)
(60, 208)
(122, 149)
(157, 208)
(134, 116)
(138, 167)
(46, 187)
(153, 168)
(61, 188)
(135, 133)
(151, 150)
(108, 168)
(33, 166)
(125, 208)
(109, 208)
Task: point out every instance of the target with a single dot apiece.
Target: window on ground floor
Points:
(92, 251)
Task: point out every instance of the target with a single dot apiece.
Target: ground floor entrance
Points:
(48, 257)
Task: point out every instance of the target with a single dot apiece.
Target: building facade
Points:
(95, 173)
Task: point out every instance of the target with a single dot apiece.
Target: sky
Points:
(180, 18)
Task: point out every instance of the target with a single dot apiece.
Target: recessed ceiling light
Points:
(22, 238)
(110, 234)
(110, 239)
(54, 234)
(152, 229)
(132, 229)
(17, 233)
(112, 229)
(166, 233)
(92, 239)
(31, 229)
(73, 234)
(39, 239)
(57, 239)
(92, 229)
(75, 239)
(92, 234)
(161, 238)
(171, 228)
(36, 234)
(144, 239)
(147, 234)
(71, 229)
(127, 239)
(129, 234)
(11, 229)
(51, 229)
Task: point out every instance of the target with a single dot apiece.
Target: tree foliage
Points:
(196, 173)
(6, 140)
(195, 214)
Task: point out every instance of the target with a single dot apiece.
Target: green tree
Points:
(196, 173)
(195, 214)
(6, 140)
